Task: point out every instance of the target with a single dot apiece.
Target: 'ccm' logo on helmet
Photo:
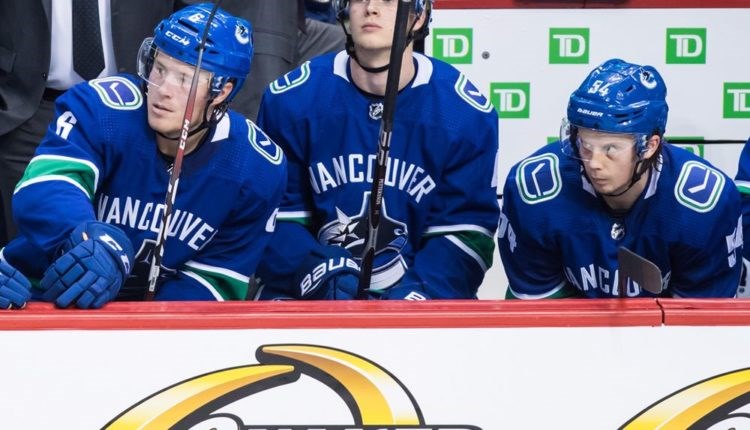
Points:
(181, 40)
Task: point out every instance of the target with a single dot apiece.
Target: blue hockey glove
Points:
(15, 289)
(97, 260)
(328, 273)
(408, 291)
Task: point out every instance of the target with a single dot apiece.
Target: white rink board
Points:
(492, 379)
(517, 44)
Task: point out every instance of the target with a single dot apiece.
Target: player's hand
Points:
(407, 291)
(97, 260)
(328, 273)
(15, 288)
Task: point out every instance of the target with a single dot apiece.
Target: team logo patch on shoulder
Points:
(471, 95)
(291, 80)
(699, 186)
(264, 145)
(118, 93)
(538, 178)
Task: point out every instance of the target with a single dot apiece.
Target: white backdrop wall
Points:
(460, 379)
(528, 61)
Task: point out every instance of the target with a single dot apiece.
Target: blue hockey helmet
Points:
(619, 97)
(227, 54)
(341, 8)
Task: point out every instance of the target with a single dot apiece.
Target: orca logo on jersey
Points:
(350, 231)
(374, 397)
(719, 402)
(143, 259)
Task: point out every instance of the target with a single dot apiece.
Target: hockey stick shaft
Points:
(384, 144)
(174, 177)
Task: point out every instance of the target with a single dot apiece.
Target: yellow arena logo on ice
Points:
(721, 402)
(375, 398)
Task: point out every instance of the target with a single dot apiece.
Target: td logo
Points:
(568, 45)
(686, 46)
(736, 99)
(453, 45)
(511, 99)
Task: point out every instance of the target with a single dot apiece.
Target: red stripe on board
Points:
(352, 314)
(556, 4)
(721, 312)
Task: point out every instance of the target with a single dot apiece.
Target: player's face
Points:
(168, 87)
(371, 24)
(609, 159)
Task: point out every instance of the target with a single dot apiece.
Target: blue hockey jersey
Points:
(743, 185)
(557, 238)
(99, 160)
(440, 207)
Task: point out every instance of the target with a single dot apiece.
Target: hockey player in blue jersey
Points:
(440, 211)
(742, 181)
(613, 181)
(90, 204)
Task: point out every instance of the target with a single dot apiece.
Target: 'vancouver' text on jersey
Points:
(99, 160)
(440, 185)
(686, 221)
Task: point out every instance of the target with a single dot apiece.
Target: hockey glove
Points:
(328, 273)
(408, 291)
(15, 289)
(97, 260)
